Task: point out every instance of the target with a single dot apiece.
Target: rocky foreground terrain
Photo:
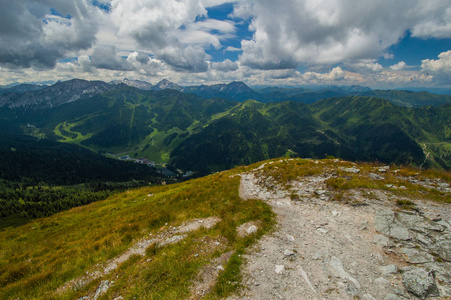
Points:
(279, 229)
(360, 242)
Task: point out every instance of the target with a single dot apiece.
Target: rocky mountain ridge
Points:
(363, 246)
(21, 88)
(23, 95)
(58, 94)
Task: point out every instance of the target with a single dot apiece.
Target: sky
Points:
(380, 44)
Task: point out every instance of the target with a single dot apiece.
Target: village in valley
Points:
(162, 167)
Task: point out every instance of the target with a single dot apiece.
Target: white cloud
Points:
(200, 33)
(232, 49)
(387, 55)
(155, 25)
(225, 66)
(434, 19)
(153, 39)
(364, 66)
(31, 37)
(211, 24)
(399, 66)
(336, 74)
(144, 64)
(440, 69)
(330, 32)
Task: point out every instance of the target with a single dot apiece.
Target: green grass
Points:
(152, 146)
(283, 171)
(39, 257)
(64, 131)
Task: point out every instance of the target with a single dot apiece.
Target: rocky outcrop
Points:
(420, 282)
(324, 249)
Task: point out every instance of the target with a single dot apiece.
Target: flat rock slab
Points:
(443, 248)
(390, 269)
(387, 223)
(415, 256)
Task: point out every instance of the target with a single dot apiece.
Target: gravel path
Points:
(324, 249)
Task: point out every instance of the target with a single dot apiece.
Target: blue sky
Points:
(381, 44)
(413, 50)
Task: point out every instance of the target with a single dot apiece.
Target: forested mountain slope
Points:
(193, 133)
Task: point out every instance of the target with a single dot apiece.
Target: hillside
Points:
(409, 98)
(206, 135)
(239, 91)
(32, 161)
(39, 177)
(344, 231)
(123, 120)
(21, 88)
(354, 128)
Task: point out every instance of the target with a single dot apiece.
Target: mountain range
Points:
(237, 91)
(194, 129)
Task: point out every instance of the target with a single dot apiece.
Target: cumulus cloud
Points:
(189, 58)
(140, 57)
(225, 66)
(399, 66)
(337, 41)
(31, 36)
(364, 66)
(144, 64)
(157, 26)
(107, 58)
(288, 33)
(440, 68)
(336, 74)
(434, 19)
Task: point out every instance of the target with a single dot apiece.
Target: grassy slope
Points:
(408, 98)
(41, 256)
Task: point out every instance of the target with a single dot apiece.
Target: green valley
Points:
(192, 133)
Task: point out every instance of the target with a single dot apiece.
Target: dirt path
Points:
(324, 249)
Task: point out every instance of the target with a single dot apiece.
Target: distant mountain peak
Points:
(139, 84)
(166, 84)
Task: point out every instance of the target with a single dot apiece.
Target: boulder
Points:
(350, 170)
(420, 282)
(381, 240)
